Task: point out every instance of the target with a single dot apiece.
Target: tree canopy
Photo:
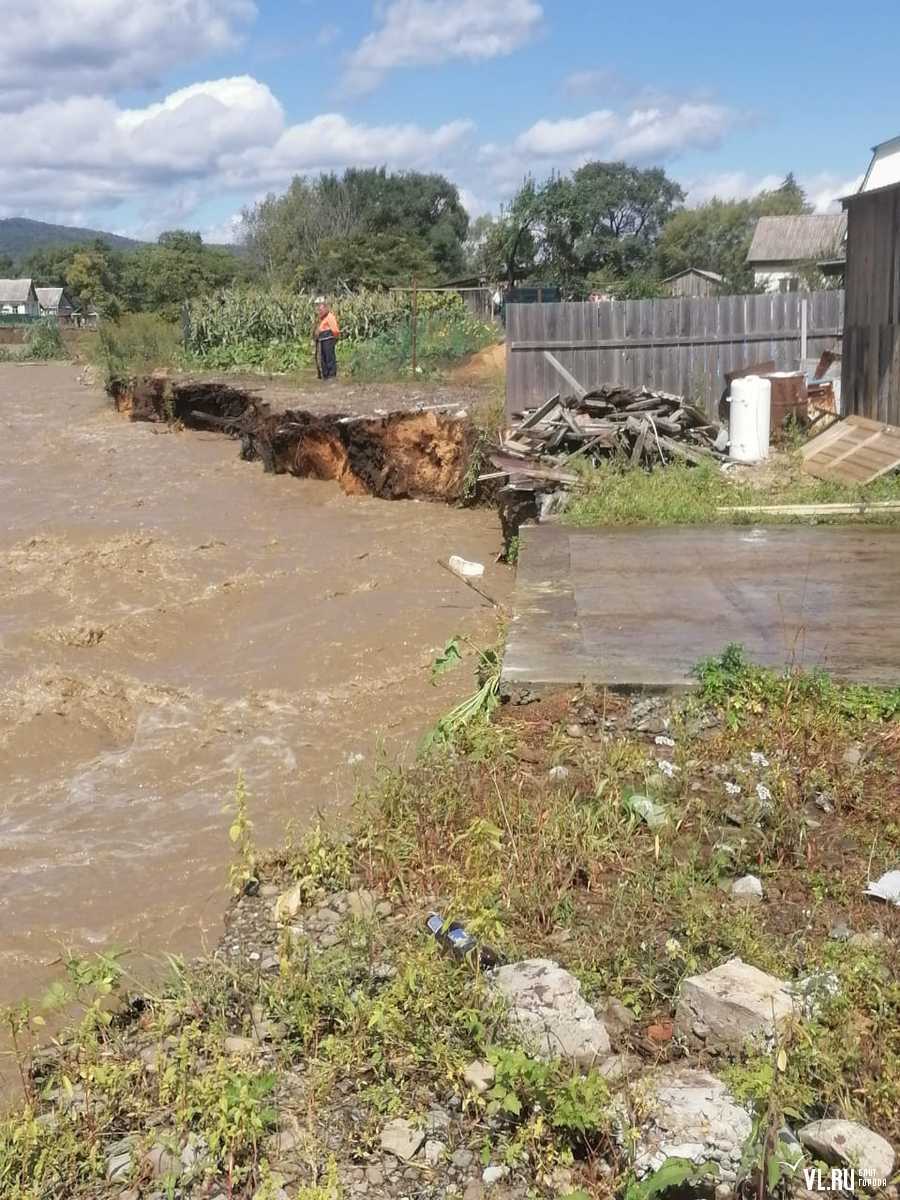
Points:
(395, 222)
(717, 235)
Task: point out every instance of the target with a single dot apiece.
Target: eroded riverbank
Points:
(168, 617)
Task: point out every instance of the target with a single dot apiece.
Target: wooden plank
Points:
(538, 414)
(623, 343)
(855, 450)
(577, 390)
(814, 510)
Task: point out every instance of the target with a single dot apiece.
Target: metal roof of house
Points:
(49, 297)
(884, 169)
(15, 291)
(798, 239)
(712, 276)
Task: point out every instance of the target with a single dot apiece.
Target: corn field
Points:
(242, 317)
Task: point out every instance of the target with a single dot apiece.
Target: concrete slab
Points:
(638, 608)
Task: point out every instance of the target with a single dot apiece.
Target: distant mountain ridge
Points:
(19, 236)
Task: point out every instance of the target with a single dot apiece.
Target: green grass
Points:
(442, 340)
(137, 344)
(615, 493)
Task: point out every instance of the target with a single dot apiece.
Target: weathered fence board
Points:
(684, 345)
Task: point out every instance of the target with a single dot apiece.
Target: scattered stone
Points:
(474, 1190)
(270, 962)
(660, 1031)
(285, 1142)
(289, 903)
(163, 1162)
(620, 1066)
(434, 1152)
(840, 932)
(846, 1143)
(736, 1001)
(558, 774)
(401, 1139)
(361, 904)
(130, 1194)
(437, 1122)
(479, 1075)
(494, 1174)
(615, 1016)
(748, 890)
(867, 941)
(690, 1114)
(375, 1175)
(120, 1161)
(548, 1012)
(853, 756)
(462, 1159)
(239, 1046)
(574, 731)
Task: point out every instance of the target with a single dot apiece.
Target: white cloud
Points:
(590, 83)
(168, 158)
(822, 189)
(415, 33)
(97, 47)
(661, 133)
(574, 135)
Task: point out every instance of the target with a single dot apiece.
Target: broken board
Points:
(855, 450)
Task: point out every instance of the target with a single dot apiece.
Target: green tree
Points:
(160, 278)
(285, 235)
(716, 236)
(7, 267)
(93, 278)
(369, 260)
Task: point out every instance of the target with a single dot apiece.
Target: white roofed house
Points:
(784, 248)
(55, 302)
(18, 298)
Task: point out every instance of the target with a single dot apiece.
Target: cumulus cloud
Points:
(97, 47)
(415, 33)
(644, 133)
(823, 189)
(225, 134)
(593, 82)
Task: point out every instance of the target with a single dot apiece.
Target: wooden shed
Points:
(870, 376)
(694, 281)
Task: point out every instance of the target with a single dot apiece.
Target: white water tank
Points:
(751, 415)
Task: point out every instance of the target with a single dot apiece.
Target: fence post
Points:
(415, 321)
(804, 328)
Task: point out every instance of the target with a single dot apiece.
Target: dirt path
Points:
(170, 616)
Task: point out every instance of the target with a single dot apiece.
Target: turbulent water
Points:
(170, 616)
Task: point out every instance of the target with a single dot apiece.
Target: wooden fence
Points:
(684, 346)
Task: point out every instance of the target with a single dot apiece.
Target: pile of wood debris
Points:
(647, 427)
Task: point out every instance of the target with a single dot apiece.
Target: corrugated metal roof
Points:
(15, 291)
(49, 297)
(798, 239)
(713, 276)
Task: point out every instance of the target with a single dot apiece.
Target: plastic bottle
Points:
(457, 940)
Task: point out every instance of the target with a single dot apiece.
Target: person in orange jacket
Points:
(326, 336)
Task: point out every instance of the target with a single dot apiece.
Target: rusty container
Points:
(789, 399)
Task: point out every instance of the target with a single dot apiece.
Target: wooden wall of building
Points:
(870, 382)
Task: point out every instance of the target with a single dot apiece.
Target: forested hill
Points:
(19, 236)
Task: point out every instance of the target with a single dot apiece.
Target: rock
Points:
(284, 1142)
(375, 1175)
(620, 1066)
(492, 1175)
(689, 1114)
(289, 903)
(479, 1075)
(434, 1152)
(120, 1162)
(845, 1143)
(548, 1012)
(853, 756)
(240, 1046)
(867, 941)
(840, 932)
(437, 1122)
(163, 1162)
(474, 1190)
(462, 1159)
(615, 1016)
(361, 904)
(562, 1181)
(736, 1002)
(401, 1139)
(558, 774)
(130, 1194)
(748, 889)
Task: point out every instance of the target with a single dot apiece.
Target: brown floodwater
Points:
(171, 616)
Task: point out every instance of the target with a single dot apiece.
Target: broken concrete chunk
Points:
(479, 1075)
(845, 1143)
(548, 1012)
(401, 1139)
(691, 1115)
(735, 1002)
(748, 890)
(465, 569)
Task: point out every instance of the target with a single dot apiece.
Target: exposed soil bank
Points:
(169, 617)
(404, 455)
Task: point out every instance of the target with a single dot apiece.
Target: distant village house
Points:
(784, 248)
(55, 303)
(18, 298)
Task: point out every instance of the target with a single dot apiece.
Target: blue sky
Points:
(178, 112)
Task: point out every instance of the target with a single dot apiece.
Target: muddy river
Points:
(171, 616)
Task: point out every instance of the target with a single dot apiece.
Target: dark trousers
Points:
(327, 355)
